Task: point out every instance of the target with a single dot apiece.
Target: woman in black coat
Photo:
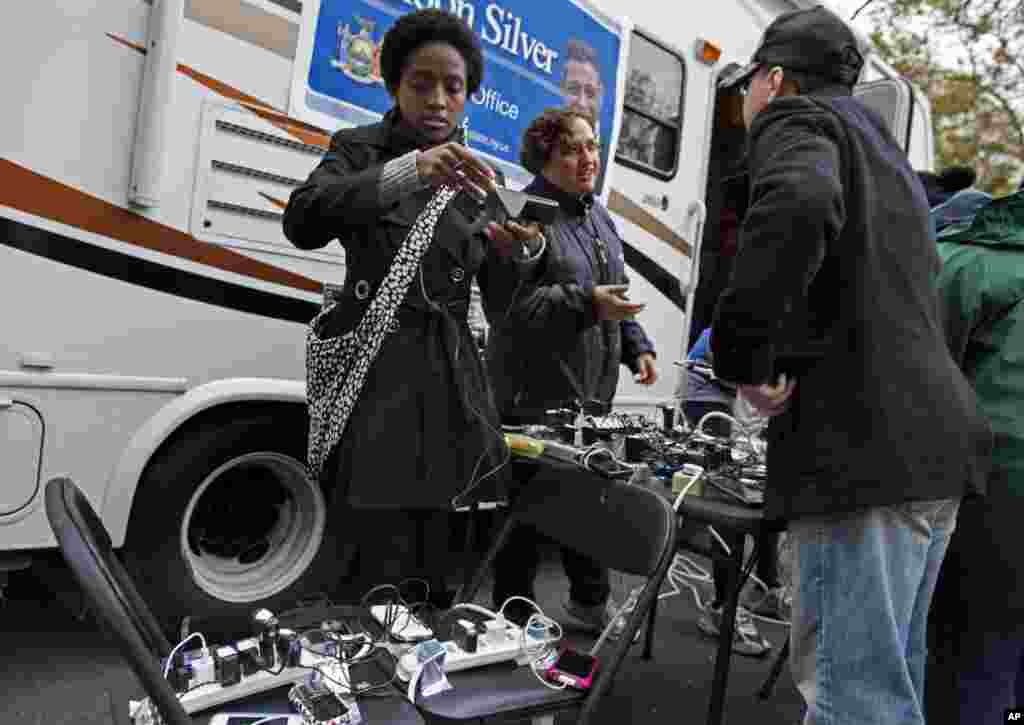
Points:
(424, 431)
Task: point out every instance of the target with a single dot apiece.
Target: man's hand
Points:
(646, 373)
(457, 166)
(770, 400)
(611, 303)
(508, 238)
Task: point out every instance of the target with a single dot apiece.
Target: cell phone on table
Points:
(251, 718)
(573, 669)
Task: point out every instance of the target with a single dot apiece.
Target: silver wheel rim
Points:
(291, 542)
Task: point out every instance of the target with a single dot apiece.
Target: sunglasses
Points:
(743, 87)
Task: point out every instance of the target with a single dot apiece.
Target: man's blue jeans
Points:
(862, 587)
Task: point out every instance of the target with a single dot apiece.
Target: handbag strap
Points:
(337, 367)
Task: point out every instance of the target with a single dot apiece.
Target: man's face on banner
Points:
(582, 87)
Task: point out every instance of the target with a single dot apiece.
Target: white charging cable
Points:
(170, 658)
(539, 654)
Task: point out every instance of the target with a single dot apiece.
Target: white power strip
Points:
(404, 625)
(487, 653)
(214, 694)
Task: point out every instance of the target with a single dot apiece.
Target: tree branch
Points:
(857, 11)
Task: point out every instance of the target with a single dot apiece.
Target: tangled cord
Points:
(538, 655)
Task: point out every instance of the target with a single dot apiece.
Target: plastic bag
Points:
(429, 677)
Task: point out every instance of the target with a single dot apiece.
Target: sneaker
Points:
(596, 617)
(747, 640)
(774, 604)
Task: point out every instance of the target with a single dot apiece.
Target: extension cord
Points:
(405, 626)
(215, 694)
(488, 652)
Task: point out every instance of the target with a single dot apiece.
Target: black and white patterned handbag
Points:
(336, 367)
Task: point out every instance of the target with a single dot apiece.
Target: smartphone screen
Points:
(575, 664)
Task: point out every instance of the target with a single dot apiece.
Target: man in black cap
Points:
(830, 324)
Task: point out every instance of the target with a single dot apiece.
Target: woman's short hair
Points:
(423, 27)
(544, 132)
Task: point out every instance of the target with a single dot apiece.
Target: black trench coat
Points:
(426, 414)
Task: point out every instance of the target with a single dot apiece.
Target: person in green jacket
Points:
(977, 615)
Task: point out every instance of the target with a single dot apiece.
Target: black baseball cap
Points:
(815, 43)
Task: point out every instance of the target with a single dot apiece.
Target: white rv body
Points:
(128, 328)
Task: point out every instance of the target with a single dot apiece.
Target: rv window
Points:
(652, 116)
(891, 100)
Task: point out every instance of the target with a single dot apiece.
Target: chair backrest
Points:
(618, 525)
(87, 549)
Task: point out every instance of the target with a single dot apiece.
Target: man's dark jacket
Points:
(546, 348)
(835, 285)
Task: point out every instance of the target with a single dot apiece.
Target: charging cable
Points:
(736, 425)
(538, 654)
(170, 658)
(686, 490)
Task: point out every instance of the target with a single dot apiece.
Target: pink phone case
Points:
(553, 674)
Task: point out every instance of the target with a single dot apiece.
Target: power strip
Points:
(487, 653)
(214, 694)
(405, 625)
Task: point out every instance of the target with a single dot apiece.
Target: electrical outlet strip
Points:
(405, 625)
(509, 647)
(215, 694)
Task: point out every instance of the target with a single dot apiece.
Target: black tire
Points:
(168, 574)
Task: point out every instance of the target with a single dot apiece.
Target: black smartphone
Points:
(317, 702)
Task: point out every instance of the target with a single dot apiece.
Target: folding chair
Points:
(86, 547)
(579, 509)
(734, 523)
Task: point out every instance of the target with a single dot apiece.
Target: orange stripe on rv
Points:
(275, 201)
(304, 132)
(35, 194)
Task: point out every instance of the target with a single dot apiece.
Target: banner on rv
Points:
(538, 54)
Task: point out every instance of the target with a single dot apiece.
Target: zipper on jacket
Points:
(602, 259)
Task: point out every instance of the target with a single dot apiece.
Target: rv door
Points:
(893, 100)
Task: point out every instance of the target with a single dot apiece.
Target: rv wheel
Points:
(225, 521)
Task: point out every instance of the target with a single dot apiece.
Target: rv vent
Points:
(247, 210)
(246, 171)
(269, 138)
(255, 173)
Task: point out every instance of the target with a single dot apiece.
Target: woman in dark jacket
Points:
(560, 336)
(424, 430)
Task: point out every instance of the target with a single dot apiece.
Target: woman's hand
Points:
(646, 373)
(769, 400)
(457, 166)
(508, 238)
(611, 303)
